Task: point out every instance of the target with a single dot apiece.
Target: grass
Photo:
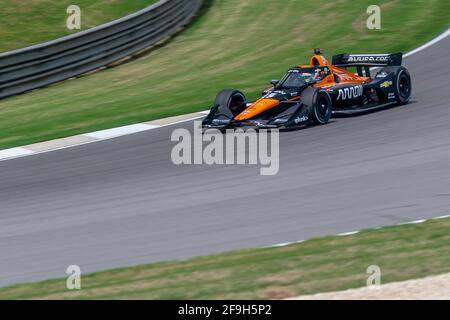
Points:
(318, 265)
(234, 43)
(24, 23)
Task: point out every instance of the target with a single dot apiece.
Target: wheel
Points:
(402, 80)
(234, 100)
(319, 105)
(403, 87)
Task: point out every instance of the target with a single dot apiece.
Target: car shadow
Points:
(368, 112)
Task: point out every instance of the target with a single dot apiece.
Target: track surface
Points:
(122, 202)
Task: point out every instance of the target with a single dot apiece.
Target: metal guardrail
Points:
(43, 64)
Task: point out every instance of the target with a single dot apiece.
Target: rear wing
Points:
(373, 60)
(364, 62)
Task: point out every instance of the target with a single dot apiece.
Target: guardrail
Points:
(43, 64)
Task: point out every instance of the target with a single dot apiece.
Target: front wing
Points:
(285, 115)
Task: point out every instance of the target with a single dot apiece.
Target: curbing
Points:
(85, 138)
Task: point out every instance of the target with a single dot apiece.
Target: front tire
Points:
(318, 104)
(232, 99)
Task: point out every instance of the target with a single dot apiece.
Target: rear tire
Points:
(318, 104)
(403, 86)
(232, 99)
(402, 81)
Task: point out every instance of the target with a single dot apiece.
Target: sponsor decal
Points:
(391, 95)
(386, 84)
(278, 120)
(350, 93)
(368, 58)
(274, 94)
(301, 119)
(220, 121)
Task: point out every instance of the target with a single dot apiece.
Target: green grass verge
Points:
(235, 43)
(24, 23)
(318, 265)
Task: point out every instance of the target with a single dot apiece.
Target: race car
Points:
(310, 94)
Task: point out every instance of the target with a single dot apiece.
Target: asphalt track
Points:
(122, 202)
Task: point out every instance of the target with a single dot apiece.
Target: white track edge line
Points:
(350, 233)
(344, 234)
(120, 131)
(429, 43)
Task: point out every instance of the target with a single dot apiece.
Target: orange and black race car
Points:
(310, 94)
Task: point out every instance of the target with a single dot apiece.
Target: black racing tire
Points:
(402, 81)
(232, 99)
(403, 86)
(318, 104)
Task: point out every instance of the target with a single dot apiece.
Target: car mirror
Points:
(274, 82)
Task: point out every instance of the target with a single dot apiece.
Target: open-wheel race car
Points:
(310, 94)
